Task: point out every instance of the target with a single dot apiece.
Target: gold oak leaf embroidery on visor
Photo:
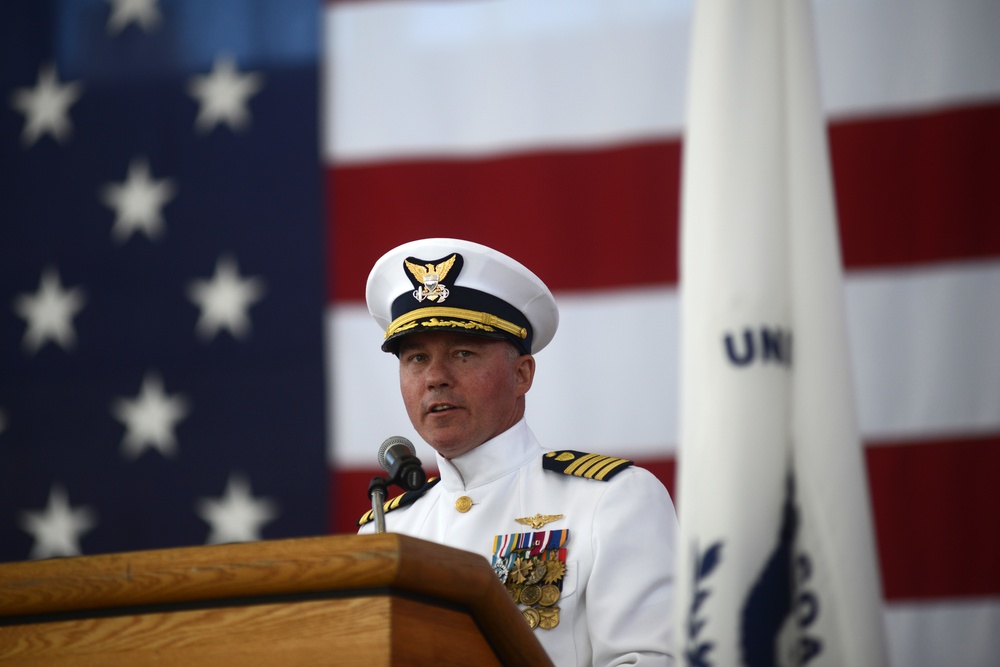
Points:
(469, 319)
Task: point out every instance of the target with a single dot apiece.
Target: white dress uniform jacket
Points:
(617, 605)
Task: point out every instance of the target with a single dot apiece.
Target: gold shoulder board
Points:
(402, 500)
(582, 464)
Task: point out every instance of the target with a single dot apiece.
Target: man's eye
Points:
(464, 354)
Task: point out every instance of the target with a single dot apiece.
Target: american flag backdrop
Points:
(161, 352)
(193, 194)
(552, 131)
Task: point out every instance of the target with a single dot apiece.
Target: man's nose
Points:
(438, 373)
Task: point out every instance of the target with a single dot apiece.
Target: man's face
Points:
(462, 390)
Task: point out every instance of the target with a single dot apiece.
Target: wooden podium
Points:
(342, 600)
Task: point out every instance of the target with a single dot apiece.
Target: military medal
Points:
(520, 570)
(501, 565)
(548, 618)
(554, 571)
(549, 595)
(532, 566)
(530, 594)
(502, 557)
(538, 570)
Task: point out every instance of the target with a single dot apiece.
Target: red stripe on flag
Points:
(909, 190)
(349, 498)
(937, 513)
(935, 507)
(919, 188)
(579, 219)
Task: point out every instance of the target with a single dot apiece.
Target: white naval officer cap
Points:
(459, 286)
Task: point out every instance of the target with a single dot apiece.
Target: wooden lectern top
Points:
(440, 581)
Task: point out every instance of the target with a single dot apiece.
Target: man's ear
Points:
(524, 373)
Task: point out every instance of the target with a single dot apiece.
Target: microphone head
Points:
(391, 441)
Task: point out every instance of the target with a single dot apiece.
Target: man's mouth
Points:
(444, 407)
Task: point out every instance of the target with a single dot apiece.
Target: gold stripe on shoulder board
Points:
(583, 464)
(401, 500)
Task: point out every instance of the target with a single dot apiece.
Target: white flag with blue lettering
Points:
(777, 561)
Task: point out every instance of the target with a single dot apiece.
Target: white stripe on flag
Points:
(459, 78)
(920, 376)
(899, 362)
(777, 560)
(429, 78)
(944, 632)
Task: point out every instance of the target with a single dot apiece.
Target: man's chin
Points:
(449, 448)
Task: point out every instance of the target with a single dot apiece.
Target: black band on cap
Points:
(468, 311)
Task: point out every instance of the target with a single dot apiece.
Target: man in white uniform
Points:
(584, 543)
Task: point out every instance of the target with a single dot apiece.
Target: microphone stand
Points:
(377, 492)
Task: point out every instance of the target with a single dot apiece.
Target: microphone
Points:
(397, 456)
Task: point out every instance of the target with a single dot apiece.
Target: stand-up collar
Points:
(491, 460)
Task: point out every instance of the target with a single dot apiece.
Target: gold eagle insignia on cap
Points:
(430, 276)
